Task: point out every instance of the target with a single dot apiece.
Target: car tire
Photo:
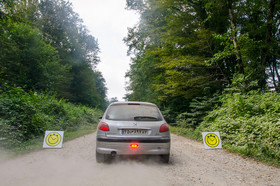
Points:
(103, 158)
(165, 158)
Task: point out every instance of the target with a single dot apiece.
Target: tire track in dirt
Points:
(190, 164)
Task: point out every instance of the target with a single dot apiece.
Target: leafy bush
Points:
(170, 116)
(25, 116)
(199, 108)
(248, 123)
(27, 60)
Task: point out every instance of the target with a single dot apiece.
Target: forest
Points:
(48, 74)
(45, 47)
(185, 52)
(210, 65)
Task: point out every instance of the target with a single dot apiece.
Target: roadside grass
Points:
(249, 124)
(36, 144)
(25, 116)
(186, 132)
(245, 153)
(197, 135)
(84, 130)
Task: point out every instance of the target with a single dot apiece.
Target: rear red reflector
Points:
(103, 126)
(164, 128)
(134, 146)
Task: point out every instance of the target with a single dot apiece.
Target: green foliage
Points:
(25, 116)
(45, 47)
(199, 108)
(28, 61)
(142, 76)
(184, 50)
(248, 123)
(189, 132)
(76, 48)
(170, 116)
(170, 46)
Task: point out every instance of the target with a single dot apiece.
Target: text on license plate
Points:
(134, 131)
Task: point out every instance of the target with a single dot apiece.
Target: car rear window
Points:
(133, 112)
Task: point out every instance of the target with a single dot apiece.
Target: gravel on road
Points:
(190, 164)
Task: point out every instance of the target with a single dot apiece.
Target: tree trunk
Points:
(276, 74)
(236, 46)
(266, 56)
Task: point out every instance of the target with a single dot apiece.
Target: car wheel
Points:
(164, 158)
(103, 158)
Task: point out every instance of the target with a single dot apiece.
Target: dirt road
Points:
(190, 164)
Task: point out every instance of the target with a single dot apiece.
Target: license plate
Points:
(134, 131)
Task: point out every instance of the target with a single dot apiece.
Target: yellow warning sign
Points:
(211, 140)
(53, 139)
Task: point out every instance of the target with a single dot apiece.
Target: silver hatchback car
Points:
(132, 128)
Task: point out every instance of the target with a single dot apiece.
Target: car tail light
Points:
(134, 145)
(103, 126)
(164, 128)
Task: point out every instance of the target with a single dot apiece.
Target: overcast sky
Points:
(108, 20)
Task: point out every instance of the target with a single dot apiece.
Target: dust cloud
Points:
(4, 154)
(75, 165)
(191, 164)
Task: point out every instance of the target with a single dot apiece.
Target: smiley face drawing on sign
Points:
(212, 140)
(53, 139)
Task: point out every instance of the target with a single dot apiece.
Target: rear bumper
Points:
(129, 140)
(122, 146)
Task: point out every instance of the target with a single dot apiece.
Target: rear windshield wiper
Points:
(145, 118)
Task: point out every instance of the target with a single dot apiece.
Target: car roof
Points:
(132, 102)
